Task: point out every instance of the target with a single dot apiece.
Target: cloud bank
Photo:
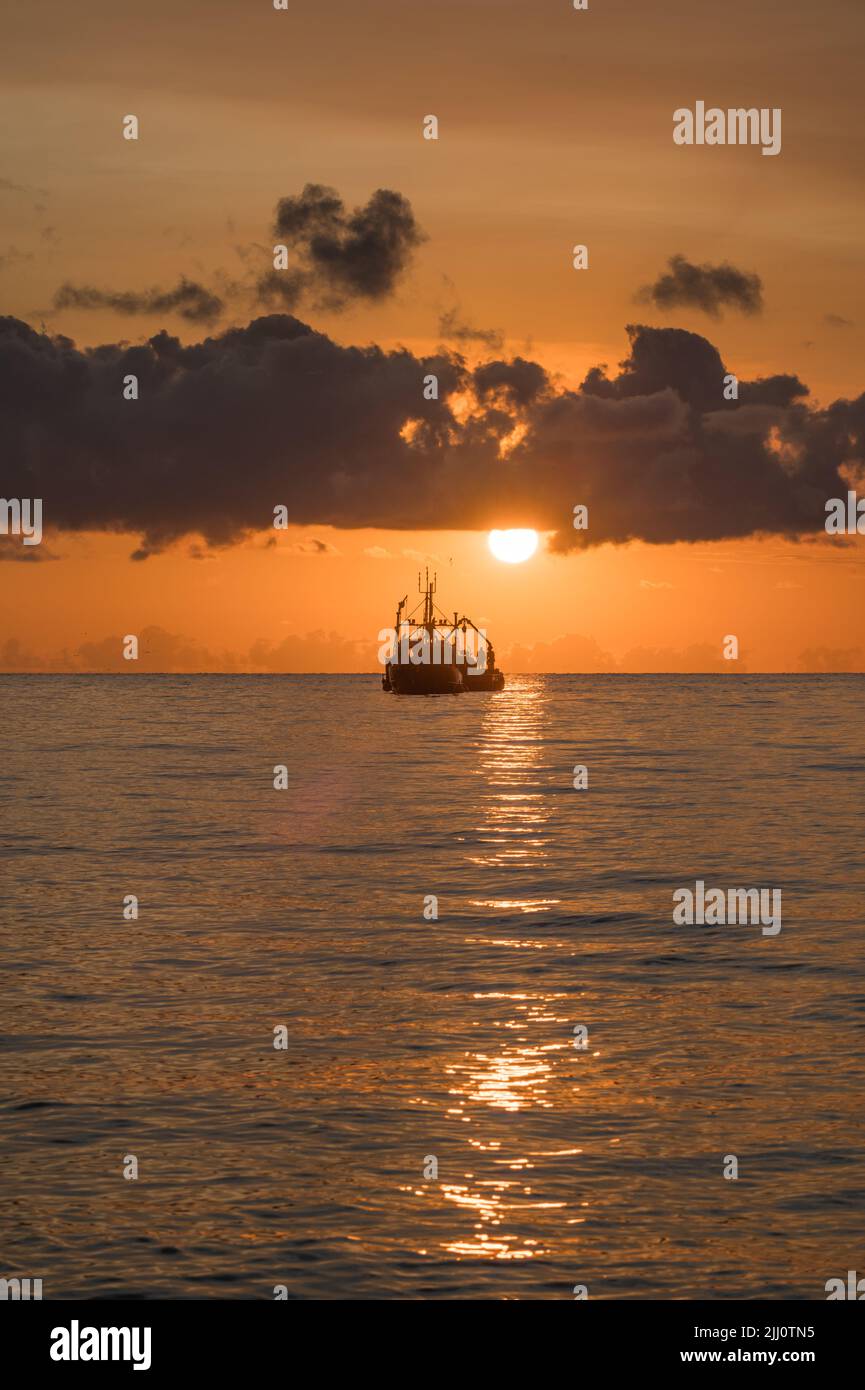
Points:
(162, 651)
(274, 413)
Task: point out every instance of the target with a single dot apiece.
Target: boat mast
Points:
(428, 598)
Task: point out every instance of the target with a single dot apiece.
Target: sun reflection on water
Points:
(514, 813)
(515, 1069)
(495, 1203)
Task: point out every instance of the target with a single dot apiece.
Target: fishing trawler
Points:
(431, 654)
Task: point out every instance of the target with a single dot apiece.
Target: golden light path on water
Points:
(515, 1071)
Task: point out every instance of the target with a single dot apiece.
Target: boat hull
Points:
(487, 680)
(402, 679)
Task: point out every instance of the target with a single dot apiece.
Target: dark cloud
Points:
(341, 256)
(709, 288)
(281, 289)
(837, 321)
(274, 413)
(455, 330)
(519, 381)
(189, 299)
(673, 357)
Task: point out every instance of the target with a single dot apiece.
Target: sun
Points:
(513, 546)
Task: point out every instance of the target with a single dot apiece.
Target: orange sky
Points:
(554, 129)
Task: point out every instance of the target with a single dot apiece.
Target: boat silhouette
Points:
(432, 654)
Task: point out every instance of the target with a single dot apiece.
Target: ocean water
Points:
(409, 1038)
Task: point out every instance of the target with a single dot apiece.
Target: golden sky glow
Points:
(539, 149)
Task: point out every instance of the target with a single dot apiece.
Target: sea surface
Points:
(410, 1037)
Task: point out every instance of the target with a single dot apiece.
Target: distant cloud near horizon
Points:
(329, 653)
(161, 651)
(709, 288)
